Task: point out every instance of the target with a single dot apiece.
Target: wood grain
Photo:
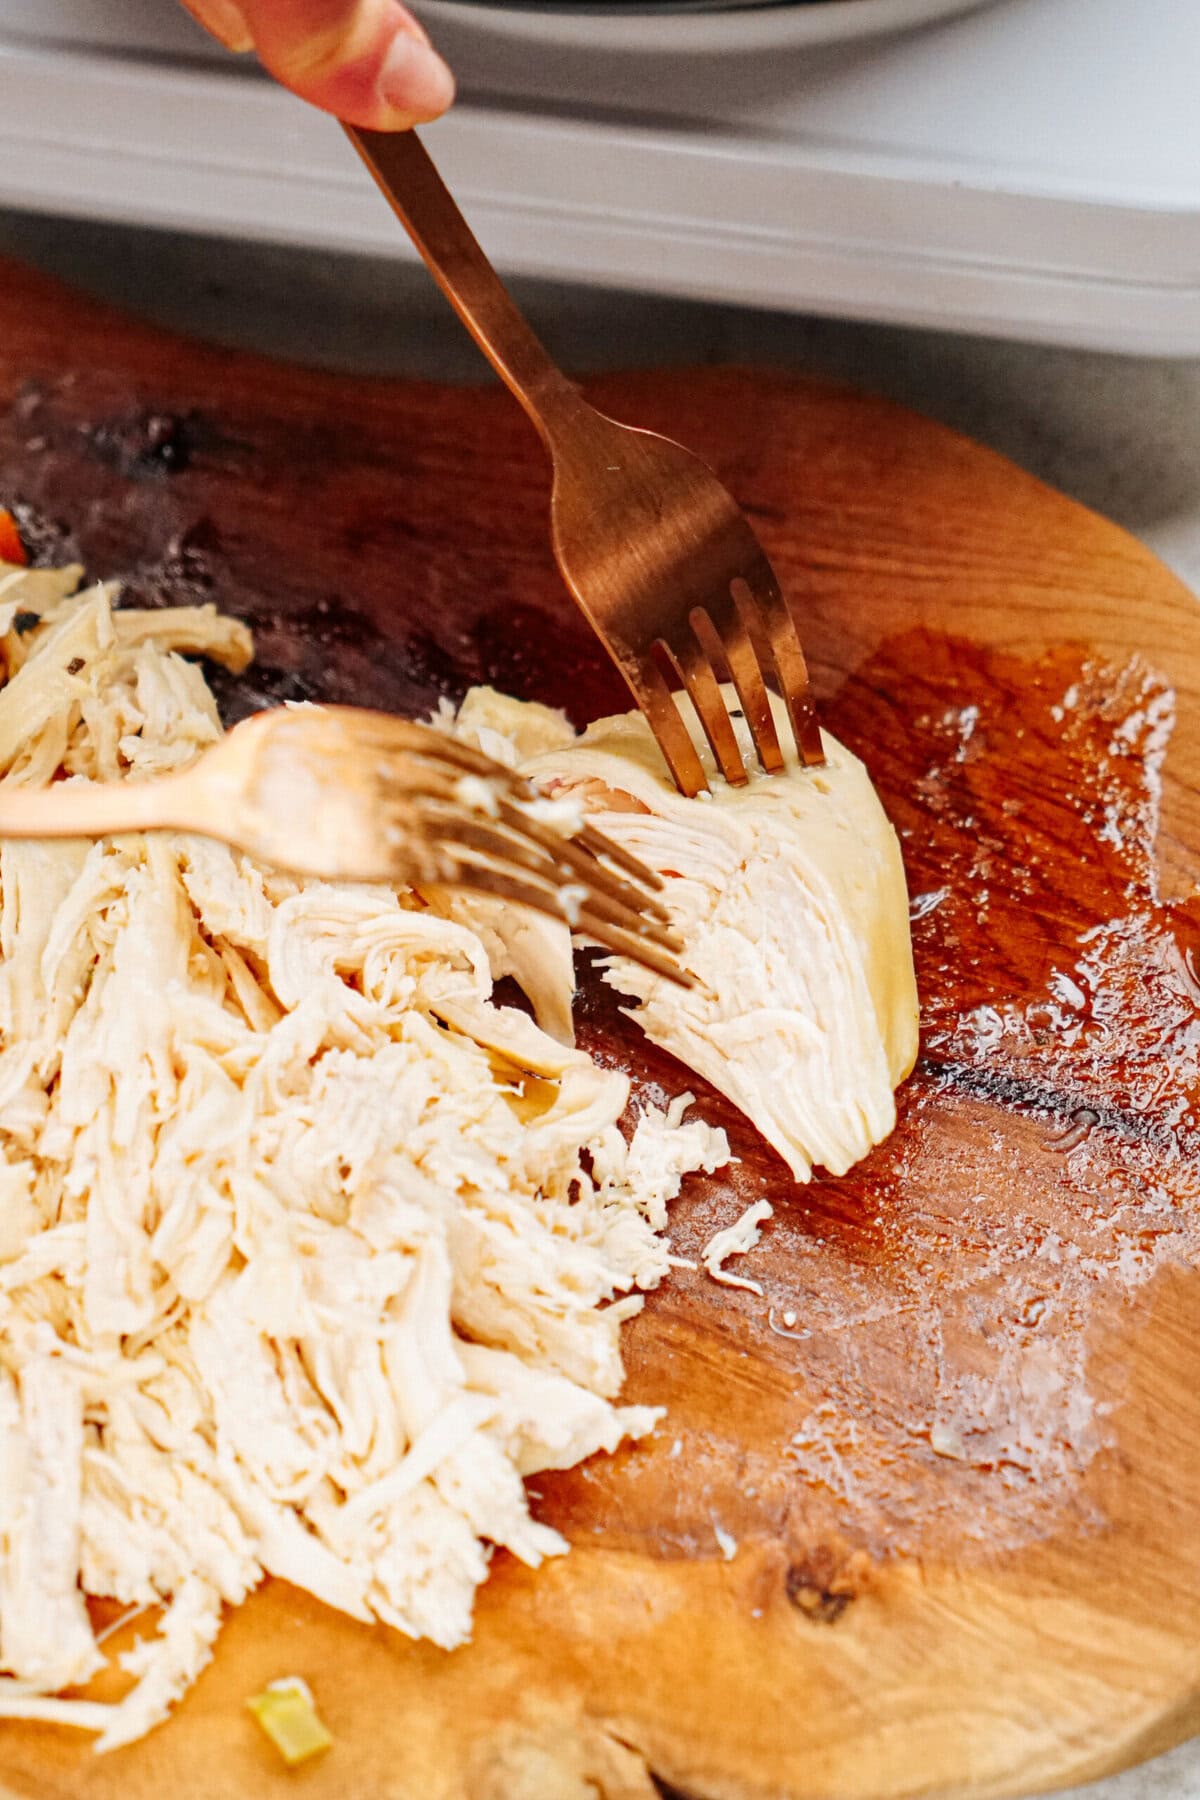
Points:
(963, 1484)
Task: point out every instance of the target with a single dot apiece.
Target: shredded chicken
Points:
(736, 1240)
(310, 1251)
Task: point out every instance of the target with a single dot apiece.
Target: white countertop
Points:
(1032, 166)
(1120, 434)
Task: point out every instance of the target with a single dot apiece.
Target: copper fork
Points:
(657, 553)
(352, 795)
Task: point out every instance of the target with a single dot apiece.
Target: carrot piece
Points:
(12, 550)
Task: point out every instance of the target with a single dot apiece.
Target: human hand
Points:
(368, 61)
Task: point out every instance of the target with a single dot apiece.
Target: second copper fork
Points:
(655, 550)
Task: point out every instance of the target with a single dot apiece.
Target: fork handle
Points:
(425, 207)
(76, 810)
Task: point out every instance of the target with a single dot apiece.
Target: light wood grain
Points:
(1013, 1277)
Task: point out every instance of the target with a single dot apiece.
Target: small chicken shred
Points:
(311, 1251)
(737, 1239)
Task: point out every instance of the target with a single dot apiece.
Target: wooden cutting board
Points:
(925, 1519)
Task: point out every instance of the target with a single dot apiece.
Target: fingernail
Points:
(414, 82)
(225, 20)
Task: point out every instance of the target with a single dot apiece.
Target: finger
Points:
(225, 20)
(367, 61)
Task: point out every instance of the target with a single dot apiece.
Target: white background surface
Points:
(1032, 168)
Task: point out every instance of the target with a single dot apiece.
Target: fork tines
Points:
(476, 823)
(508, 859)
(749, 638)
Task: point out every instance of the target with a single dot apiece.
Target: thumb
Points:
(368, 61)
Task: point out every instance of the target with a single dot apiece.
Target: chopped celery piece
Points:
(286, 1712)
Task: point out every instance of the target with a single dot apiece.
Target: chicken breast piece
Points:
(789, 894)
